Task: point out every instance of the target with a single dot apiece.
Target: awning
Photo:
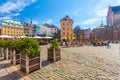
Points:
(5, 36)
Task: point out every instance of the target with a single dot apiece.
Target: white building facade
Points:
(47, 31)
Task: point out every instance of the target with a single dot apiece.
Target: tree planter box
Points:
(29, 64)
(4, 52)
(15, 57)
(1, 52)
(54, 55)
(7, 53)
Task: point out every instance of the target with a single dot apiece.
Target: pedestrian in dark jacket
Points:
(108, 44)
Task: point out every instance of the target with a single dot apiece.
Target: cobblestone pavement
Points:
(81, 63)
(7, 72)
(77, 63)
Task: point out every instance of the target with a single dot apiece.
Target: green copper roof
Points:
(12, 23)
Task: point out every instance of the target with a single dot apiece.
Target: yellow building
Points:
(12, 28)
(66, 28)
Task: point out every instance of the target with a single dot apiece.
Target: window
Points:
(67, 33)
(63, 33)
(106, 32)
(103, 32)
(63, 28)
(63, 23)
(67, 24)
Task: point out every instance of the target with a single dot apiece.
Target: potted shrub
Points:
(1, 49)
(15, 54)
(30, 55)
(9, 52)
(54, 52)
(4, 45)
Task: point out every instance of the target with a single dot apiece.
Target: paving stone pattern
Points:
(80, 64)
(7, 72)
(77, 63)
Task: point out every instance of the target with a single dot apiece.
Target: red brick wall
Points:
(116, 34)
(109, 18)
(102, 33)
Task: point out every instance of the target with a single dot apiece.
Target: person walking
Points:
(108, 44)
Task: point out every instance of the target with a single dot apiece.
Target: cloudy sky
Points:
(86, 13)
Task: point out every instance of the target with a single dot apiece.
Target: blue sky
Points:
(86, 13)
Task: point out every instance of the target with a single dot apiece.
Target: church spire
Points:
(101, 25)
(31, 20)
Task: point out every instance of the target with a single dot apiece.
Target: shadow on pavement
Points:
(4, 65)
(46, 62)
(11, 76)
(1, 59)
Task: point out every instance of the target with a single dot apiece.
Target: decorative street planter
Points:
(30, 55)
(15, 52)
(29, 64)
(15, 57)
(54, 52)
(54, 55)
(7, 53)
(1, 52)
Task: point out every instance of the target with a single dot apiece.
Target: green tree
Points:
(28, 46)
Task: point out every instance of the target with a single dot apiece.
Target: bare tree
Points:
(77, 31)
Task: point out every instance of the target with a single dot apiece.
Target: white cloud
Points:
(101, 8)
(77, 23)
(9, 16)
(13, 8)
(17, 5)
(48, 21)
(35, 22)
(91, 21)
(76, 12)
(16, 14)
(99, 13)
(5, 17)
